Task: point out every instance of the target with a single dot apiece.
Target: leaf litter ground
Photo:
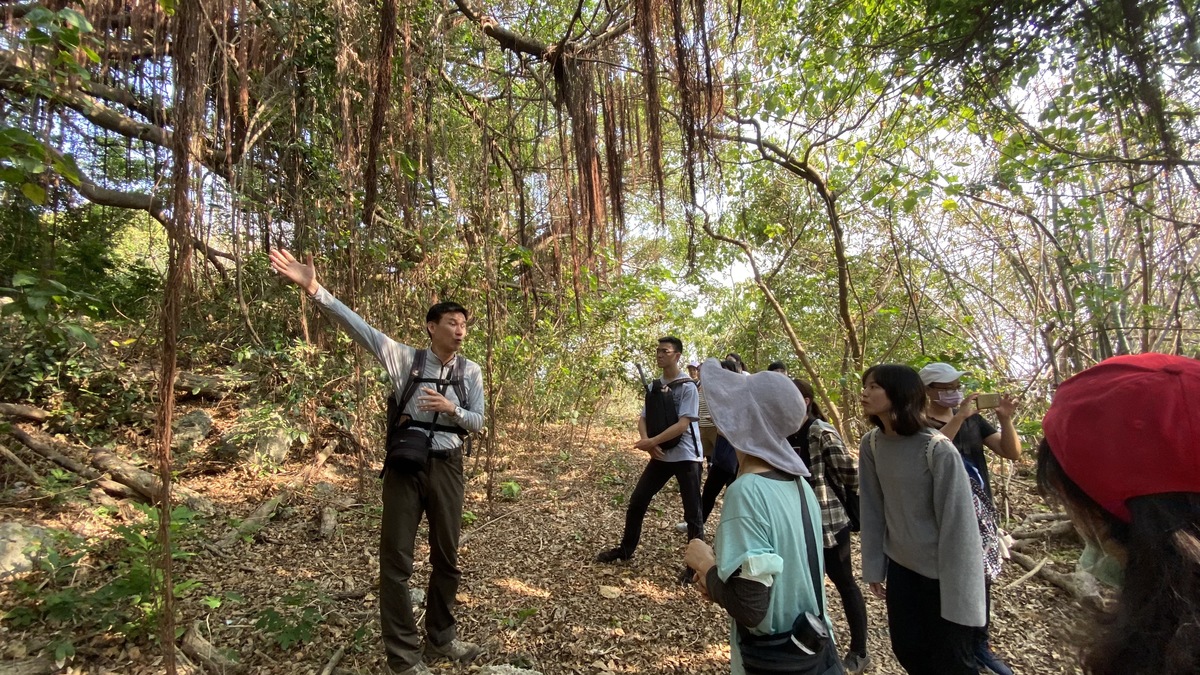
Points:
(530, 593)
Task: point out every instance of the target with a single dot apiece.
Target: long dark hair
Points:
(806, 391)
(736, 358)
(1156, 625)
(906, 392)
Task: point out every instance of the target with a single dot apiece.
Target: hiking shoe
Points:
(681, 528)
(455, 650)
(856, 663)
(989, 662)
(416, 669)
(686, 576)
(612, 555)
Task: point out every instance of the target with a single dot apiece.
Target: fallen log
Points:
(254, 521)
(204, 653)
(23, 412)
(147, 484)
(45, 446)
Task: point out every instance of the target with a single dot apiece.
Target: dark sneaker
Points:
(856, 663)
(455, 650)
(612, 555)
(989, 662)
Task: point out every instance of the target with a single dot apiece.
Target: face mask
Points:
(950, 399)
(1097, 562)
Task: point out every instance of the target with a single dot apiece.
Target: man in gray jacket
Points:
(434, 488)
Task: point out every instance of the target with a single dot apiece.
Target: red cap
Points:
(1128, 427)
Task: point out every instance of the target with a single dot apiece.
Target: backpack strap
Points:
(414, 374)
(933, 441)
(459, 381)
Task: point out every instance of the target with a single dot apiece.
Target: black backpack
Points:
(660, 408)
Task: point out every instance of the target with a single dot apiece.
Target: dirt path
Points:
(286, 600)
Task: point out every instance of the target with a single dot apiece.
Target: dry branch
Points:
(1043, 517)
(1056, 530)
(254, 521)
(8, 454)
(38, 665)
(333, 661)
(23, 412)
(202, 651)
(1088, 596)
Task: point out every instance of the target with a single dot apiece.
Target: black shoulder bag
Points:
(807, 648)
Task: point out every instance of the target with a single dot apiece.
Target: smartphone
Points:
(987, 401)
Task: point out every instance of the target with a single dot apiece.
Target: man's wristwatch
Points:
(459, 412)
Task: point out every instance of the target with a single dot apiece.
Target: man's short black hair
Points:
(777, 367)
(441, 309)
(673, 341)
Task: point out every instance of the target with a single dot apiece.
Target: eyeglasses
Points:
(663, 350)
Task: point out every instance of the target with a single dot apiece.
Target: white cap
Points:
(693, 364)
(940, 373)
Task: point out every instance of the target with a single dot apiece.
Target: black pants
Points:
(654, 477)
(924, 642)
(718, 479)
(437, 492)
(837, 568)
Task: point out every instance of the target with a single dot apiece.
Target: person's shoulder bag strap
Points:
(810, 542)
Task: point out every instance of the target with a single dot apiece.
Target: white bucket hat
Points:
(756, 413)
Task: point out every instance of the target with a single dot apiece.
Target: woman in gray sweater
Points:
(919, 532)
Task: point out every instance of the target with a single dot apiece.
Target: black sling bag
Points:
(410, 442)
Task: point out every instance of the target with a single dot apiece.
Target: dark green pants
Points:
(437, 492)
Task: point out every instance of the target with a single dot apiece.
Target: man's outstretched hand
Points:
(303, 274)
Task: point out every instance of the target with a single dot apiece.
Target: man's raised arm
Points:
(395, 357)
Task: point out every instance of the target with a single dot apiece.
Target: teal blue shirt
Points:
(762, 534)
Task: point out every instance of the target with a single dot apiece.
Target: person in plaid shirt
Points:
(833, 474)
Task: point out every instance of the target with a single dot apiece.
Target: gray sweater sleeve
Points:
(960, 550)
(873, 524)
(396, 357)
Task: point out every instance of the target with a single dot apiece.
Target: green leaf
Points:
(34, 192)
(24, 280)
(75, 20)
(949, 204)
(408, 166)
(82, 335)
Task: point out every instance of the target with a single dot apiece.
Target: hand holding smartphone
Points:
(987, 401)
